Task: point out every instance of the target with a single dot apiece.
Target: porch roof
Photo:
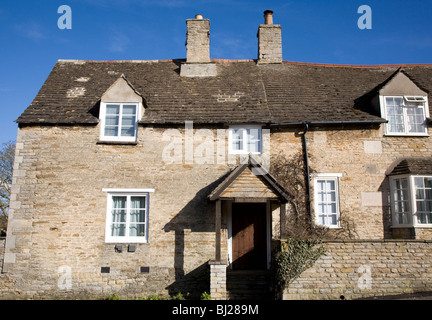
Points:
(251, 182)
(417, 166)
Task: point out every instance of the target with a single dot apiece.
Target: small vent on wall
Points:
(145, 269)
(105, 269)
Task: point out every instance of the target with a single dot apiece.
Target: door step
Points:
(249, 285)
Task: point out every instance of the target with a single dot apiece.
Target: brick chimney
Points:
(198, 62)
(269, 40)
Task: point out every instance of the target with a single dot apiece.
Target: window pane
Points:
(111, 131)
(428, 182)
(237, 139)
(331, 196)
(138, 202)
(118, 209)
(398, 101)
(416, 119)
(389, 101)
(420, 194)
(137, 230)
(330, 185)
(113, 109)
(419, 182)
(394, 110)
(118, 230)
(331, 208)
(395, 119)
(111, 120)
(129, 109)
(254, 137)
(128, 121)
(128, 131)
(401, 204)
(421, 216)
(332, 220)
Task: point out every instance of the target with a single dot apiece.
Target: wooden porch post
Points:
(218, 230)
(283, 232)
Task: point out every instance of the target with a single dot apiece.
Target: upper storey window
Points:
(406, 115)
(119, 121)
(120, 111)
(244, 140)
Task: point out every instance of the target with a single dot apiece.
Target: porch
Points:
(246, 202)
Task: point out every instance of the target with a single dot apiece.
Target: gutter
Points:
(315, 123)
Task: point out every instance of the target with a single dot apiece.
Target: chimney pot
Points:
(198, 16)
(268, 17)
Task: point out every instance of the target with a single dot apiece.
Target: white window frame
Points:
(102, 117)
(245, 139)
(128, 193)
(406, 100)
(327, 177)
(413, 220)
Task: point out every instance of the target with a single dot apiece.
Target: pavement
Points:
(405, 296)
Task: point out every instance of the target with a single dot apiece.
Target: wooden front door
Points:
(249, 236)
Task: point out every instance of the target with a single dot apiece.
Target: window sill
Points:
(126, 241)
(407, 135)
(126, 143)
(419, 226)
(329, 227)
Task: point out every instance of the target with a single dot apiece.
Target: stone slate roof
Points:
(242, 92)
(412, 166)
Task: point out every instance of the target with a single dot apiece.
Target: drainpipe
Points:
(307, 178)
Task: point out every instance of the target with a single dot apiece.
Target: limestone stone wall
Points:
(2, 249)
(360, 269)
(362, 157)
(56, 233)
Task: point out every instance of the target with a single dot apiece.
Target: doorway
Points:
(249, 236)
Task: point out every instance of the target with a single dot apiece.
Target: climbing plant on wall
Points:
(293, 257)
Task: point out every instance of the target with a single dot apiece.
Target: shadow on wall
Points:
(197, 216)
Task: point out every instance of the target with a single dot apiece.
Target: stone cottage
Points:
(155, 177)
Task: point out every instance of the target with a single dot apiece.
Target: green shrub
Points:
(292, 258)
(205, 296)
(114, 296)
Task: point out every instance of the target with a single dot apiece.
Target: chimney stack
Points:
(198, 63)
(269, 40)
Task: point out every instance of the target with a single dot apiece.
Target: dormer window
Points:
(406, 115)
(120, 111)
(119, 121)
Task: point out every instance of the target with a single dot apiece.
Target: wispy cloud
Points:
(31, 30)
(118, 42)
(225, 46)
(127, 3)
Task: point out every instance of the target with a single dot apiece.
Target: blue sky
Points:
(312, 31)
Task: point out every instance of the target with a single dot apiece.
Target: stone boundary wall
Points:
(365, 268)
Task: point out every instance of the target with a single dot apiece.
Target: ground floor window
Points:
(327, 200)
(127, 215)
(411, 198)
